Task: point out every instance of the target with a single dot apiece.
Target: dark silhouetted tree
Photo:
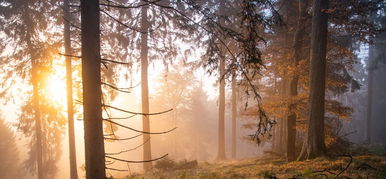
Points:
(92, 94)
(315, 138)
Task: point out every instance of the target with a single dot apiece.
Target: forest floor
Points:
(363, 166)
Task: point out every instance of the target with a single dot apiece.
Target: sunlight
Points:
(56, 90)
(54, 86)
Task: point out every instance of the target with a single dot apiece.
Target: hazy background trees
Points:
(9, 154)
(244, 44)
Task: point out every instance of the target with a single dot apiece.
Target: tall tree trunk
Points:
(70, 110)
(234, 115)
(370, 78)
(297, 51)
(145, 89)
(35, 99)
(92, 95)
(282, 138)
(221, 99)
(38, 130)
(221, 113)
(315, 137)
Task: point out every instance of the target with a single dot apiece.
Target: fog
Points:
(213, 89)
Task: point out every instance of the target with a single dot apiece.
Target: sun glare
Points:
(54, 88)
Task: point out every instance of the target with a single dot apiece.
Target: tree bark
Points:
(221, 110)
(92, 95)
(315, 138)
(221, 113)
(282, 125)
(70, 110)
(297, 51)
(234, 115)
(145, 89)
(370, 82)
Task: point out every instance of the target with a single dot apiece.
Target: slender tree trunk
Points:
(35, 101)
(282, 138)
(275, 127)
(370, 77)
(315, 137)
(297, 47)
(144, 88)
(70, 110)
(234, 115)
(221, 113)
(221, 110)
(38, 130)
(92, 95)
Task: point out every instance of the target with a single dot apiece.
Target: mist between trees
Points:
(112, 88)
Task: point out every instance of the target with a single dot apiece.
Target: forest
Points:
(181, 89)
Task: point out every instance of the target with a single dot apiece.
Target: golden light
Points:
(54, 85)
(56, 89)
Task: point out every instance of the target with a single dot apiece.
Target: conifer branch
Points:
(123, 24)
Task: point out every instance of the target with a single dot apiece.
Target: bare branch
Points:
(71, 24)
(67, 55)
(128, 117)
(108, 138)
(123, 6)
(140, 161)
(123, 90)
(337, 175)
(119, 170)
(113, 61)
(124, 151)
(138, 113)
(139, 131)
(109, 162)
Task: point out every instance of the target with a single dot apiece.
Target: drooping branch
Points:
(137, 113)
(72, 56)
(123, 6)
(71, 24)
(139, 161)
(109, 162)
(139, 131)
(124, 151)
(124, 90)
(103, 60)
(129, 138)
(128, 117)
(108, 115)
(119, 170)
